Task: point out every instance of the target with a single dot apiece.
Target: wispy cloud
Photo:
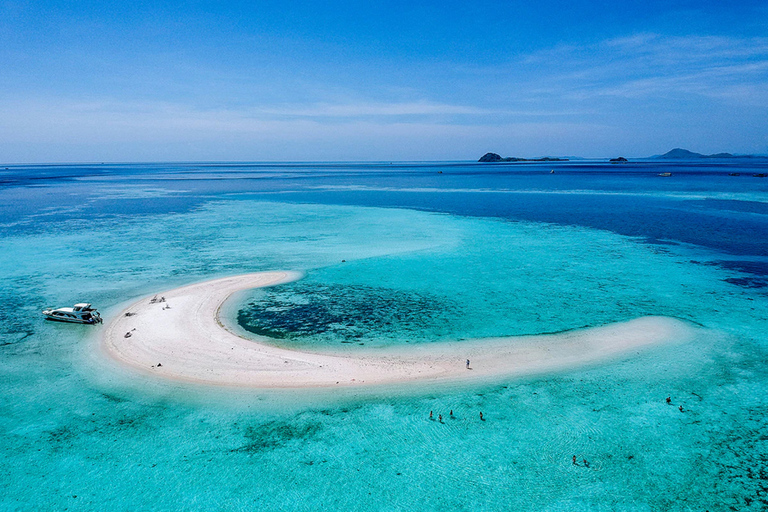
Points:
(391, 112)
(152, 131)
(61, 116)
(679, 49)
(370, 109)
(652, 65)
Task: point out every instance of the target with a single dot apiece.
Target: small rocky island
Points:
(494, 157)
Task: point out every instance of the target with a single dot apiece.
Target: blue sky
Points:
(138, 81)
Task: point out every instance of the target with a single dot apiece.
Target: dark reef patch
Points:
(741, 458)
(748, 282)
(755, 272)
(267, 436)
(330, 314)
(17, 323)
(113, 398)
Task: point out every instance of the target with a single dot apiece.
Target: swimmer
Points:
(669, 399)
(681, 408)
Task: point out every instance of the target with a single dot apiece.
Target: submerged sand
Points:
(184, 339)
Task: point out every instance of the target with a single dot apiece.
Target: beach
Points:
(178, 334)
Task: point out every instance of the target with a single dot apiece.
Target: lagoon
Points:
(392, 255)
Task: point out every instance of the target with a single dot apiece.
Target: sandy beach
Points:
(182, 338)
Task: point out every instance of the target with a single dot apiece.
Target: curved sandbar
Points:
(191, 344)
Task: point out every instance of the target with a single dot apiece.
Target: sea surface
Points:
(393, 254)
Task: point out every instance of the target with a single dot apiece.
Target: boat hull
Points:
(72, 316)
(70, 320)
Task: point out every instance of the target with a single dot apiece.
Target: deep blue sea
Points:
(393, 253)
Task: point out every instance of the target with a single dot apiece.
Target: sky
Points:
(92, 81)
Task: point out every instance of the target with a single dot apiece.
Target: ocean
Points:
(393, 253)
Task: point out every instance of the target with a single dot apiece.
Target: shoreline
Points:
(183, 339)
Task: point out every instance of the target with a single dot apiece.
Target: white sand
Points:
(191, 344)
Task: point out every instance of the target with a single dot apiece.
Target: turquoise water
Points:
(422, 264)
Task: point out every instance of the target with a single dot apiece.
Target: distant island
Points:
(493, 157)
(684, 154)
(675, 154)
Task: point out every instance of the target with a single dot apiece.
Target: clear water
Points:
(433, 252)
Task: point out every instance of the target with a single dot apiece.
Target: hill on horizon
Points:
(681, 154)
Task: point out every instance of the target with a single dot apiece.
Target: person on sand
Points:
(467, 364)
(669, 400)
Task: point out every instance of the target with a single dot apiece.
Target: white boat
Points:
(78, 314)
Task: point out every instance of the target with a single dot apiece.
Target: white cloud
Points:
(370, 109)
(104, 131)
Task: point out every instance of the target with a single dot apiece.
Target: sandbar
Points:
(184, 339)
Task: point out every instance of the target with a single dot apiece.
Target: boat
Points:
(760, 175)
(734, 174)
(81, 313)
(665, 174)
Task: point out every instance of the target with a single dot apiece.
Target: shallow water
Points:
(469, 252)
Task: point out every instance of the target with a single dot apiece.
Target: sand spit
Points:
(182, 338)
